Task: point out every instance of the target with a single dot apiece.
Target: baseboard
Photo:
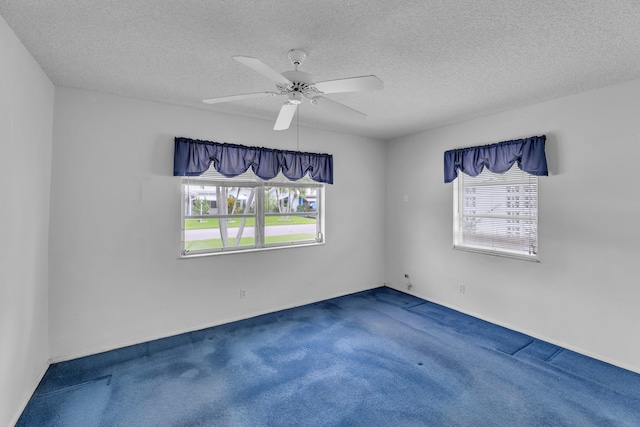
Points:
(568, 346)
(526, 332)
(26, 399)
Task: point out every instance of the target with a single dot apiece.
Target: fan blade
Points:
(337, 107)
(286, 115)
(352, 84)
(238, 97)
(262, 68)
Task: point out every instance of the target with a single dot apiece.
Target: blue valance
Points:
(498, 158)
(193, 158)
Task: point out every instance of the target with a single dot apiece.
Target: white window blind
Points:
(497, 213)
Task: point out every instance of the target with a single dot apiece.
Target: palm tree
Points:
(243, 221)
(222, 194)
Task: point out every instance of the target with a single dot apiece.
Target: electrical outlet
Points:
(243, 293)
(461, 288)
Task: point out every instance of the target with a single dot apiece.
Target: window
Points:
(497, 213)
(222, 214)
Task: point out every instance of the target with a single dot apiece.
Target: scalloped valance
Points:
(498, 158)
(193, 157)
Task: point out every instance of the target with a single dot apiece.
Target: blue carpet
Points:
(76, 405)
(375, 358)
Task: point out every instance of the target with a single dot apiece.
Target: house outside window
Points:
(497, 213)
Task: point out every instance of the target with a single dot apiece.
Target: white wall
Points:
(26, 115)
(115, 274)
(584, 293)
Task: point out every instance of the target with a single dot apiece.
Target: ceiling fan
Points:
(297, 85)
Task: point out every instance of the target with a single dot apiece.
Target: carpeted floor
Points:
(375, 358)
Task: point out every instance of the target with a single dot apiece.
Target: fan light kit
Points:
(297, 85)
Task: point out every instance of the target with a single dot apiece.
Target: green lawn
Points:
(196, 224)
(195, 245)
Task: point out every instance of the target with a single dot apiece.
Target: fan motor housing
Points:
(301, 83)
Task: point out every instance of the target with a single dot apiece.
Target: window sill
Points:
(244, 251)
(530, 258)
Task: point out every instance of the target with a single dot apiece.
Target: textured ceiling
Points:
(441, 61)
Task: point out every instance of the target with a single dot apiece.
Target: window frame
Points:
(249, 180)
(524, 179)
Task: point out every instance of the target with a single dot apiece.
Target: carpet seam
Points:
(414, 306)
(521, 348)
(75, 386)
(553, 356)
